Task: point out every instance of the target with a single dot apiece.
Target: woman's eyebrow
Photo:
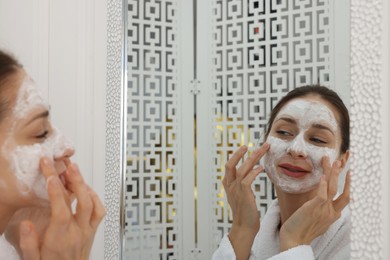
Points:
(40, 115)
(287, 119)
(319, 126)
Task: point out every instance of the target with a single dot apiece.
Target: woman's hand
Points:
(237, 183)
(315, 216)
(40, 216)
(68, 235)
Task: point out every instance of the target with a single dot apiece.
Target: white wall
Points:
(62, 45)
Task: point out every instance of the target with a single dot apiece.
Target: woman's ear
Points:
(344, 158)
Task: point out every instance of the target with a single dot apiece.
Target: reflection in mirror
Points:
(255, 53)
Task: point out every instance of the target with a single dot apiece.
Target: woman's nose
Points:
(297, 153)
(297, 148)
(68, 152)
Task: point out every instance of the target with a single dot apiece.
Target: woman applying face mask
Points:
(306, 148)
(36, 173)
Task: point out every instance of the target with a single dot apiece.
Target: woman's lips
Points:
(293, 171)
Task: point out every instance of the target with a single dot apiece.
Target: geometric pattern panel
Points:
(261, 49)
(152, 178)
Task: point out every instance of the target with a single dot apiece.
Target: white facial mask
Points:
(28, 98)
(24, 160)
(305, 113)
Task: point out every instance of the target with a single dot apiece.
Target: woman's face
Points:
(304, 131)
(27, 135)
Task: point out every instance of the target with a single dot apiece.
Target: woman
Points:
(306, 148)
(36, 175)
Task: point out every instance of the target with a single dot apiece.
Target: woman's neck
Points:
(289, 203)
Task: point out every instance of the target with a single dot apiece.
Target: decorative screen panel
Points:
(261, 50)
(152, 178)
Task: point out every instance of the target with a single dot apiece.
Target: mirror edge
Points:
(114, 158)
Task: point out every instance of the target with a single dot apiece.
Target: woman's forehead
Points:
(28, 98)
(309, 111)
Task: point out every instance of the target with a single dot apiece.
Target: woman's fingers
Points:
(49, 171)
(230, 166)
(60, 209)
(343, 200)
(322, 194)
(326, 167)
(251, 176)
(77, 185)
(331, 174)
(98, 210)
(29, 241)
(334, 179)
(252, 160)
(47, 167)
(67, 162)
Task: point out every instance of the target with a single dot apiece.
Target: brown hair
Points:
(326, 94)
(8, 68)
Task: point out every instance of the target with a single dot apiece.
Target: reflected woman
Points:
(306, 149)
(37, 176)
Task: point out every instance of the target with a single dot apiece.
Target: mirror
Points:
(169, 192)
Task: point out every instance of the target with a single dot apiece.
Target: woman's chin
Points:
(297, 188)
(291, 185)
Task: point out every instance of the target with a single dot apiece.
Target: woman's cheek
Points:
(277, 149)
(317, 154)
(25, 163)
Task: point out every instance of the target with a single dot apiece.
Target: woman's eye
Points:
(283, 133)
(317, 140)
(43, 135)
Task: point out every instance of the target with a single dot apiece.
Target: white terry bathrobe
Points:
(334, 244)
(7, 251)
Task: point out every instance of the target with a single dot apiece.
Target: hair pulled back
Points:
(9, 66)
